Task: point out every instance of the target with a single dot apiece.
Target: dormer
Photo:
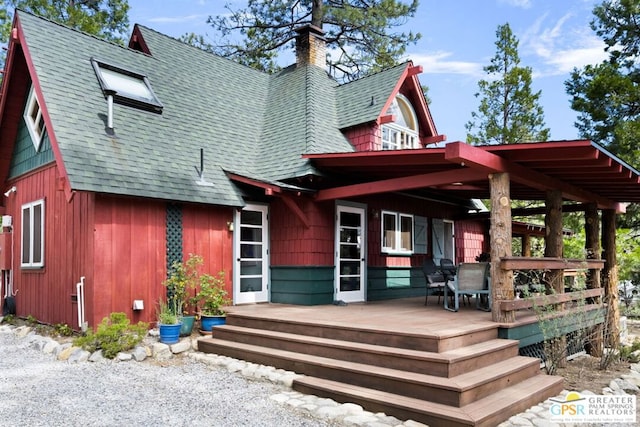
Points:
(402, 132)
(387, 111)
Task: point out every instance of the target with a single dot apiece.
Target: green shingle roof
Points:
(249, 122)
(362, 100)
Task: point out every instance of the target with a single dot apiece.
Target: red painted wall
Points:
(130, 261)
(206, 233)
(471, 240)
(364, 138)
(46, 293)
(294, 244)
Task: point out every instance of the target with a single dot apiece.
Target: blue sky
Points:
(458, 39)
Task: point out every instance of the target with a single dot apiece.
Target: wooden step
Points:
(436, 343)
(488, 411)
(456, 391)
(446, 364)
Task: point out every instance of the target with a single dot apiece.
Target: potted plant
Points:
(181, 290)
(212, 297)
(168, 323)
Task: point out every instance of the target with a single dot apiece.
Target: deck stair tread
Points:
(487, 411)
(459, 383)
(445, 339)
(461, 353)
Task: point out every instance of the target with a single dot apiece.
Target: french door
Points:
(350, 261)
(251, 272)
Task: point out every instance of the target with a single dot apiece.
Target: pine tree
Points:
(358, 33)
(509, 113)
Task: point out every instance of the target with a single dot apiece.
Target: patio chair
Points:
(435, 280)
(472, 279)
(448, 269)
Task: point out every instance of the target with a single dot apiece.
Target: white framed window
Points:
(397, 233)
(33, 234)
(403, 132)
(34, 120)
(127, 87)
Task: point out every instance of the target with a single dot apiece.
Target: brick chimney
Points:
(311, 46)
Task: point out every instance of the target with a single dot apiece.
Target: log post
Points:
(553, 244)
(500, 236)
(592, 250)
(610, 278)
(554, 279)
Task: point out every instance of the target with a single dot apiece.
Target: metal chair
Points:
(471, 279)
(435, 280)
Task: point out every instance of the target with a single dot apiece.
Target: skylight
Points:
(128, 87)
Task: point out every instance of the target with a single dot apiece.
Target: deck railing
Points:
(587, 298)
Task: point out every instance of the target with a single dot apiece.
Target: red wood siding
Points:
(130, 260)
(294, 244)
(407, 205)
(205, 233)
(46, 293)
(364, 138)
(470, 240)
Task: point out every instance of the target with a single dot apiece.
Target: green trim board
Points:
(532, 333)
(386, 283)
(395, 277)
(25, 158)
(302, 285)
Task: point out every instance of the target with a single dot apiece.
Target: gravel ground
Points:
(38, 390)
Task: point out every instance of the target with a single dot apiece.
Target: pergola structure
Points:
(568, 175)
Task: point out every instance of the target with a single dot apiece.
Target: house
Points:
(118, 161)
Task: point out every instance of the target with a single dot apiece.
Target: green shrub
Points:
(9, 319)
(63, 329)
(626, 351)
(113, 335)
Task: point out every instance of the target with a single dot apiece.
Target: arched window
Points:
(403, 132)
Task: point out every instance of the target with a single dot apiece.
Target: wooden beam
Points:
(468, 155)
(522, 263)
(433, 139)
(401, 184)
(519, 304)
(293, 206)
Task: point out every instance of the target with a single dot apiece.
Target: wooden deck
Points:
(398, 356)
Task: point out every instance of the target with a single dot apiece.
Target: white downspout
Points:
(80, 289)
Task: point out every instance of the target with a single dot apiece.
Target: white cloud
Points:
(438, 63)
(524, 4)
(179, 19)
(560, 46)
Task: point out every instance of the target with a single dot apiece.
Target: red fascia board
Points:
(424, 156)
(136, 38)
(45, 112)
(253, 182)
(478, 158)
(8, 66)
(402, 184)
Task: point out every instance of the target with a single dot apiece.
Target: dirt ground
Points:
(583, 372)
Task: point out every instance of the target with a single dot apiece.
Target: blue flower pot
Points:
(208, 322)
(170, 334)
(187, 325)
